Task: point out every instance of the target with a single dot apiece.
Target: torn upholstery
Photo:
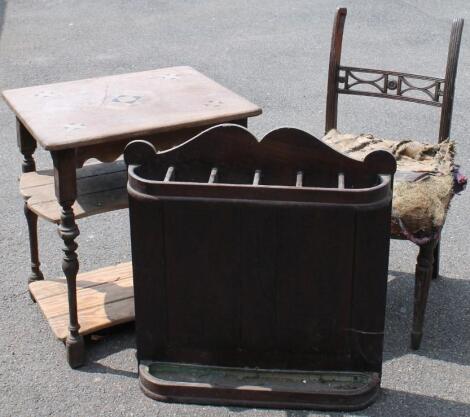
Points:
(426, 180)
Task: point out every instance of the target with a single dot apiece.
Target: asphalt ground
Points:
(276, 54)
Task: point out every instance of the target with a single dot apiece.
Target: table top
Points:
(98, 110)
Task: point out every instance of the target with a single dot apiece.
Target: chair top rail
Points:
(401, 86)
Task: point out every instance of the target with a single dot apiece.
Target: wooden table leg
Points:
(66, 193)
(27, 146)
(423, 274)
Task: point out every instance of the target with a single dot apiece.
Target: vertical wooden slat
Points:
(258, 280)
(150, 288)
(299, 179)
(341, 181)
(370, 272)
(312, 285)
(202, 278)
(333, 70)
(449, 85)
(213, 176)
(257, 177)
(169, 174)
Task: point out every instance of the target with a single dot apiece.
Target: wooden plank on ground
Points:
(105, 298)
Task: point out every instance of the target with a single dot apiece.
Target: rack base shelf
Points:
(255, 387)
(105, 298)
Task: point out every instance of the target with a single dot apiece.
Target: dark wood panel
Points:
(204, 316)
(370, 286)
(150, 289)
(314, 280)
(259, 237)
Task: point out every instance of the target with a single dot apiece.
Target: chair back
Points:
(438, 92)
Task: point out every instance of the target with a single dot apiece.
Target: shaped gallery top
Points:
(98, 110)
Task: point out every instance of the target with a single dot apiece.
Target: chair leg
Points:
(424, 267)
(32, 220)
(435, 267)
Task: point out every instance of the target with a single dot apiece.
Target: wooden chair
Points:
(394, 85)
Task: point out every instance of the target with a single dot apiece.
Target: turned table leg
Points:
(424, 267)
(27, 146)
(32, 219)
(66, 192)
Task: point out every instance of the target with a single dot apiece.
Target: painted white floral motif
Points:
(74, 126)
(170, 77)
(126, 99)
(45, 94)
(213, 103)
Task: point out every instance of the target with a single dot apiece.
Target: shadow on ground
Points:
(447, 304)
(402, 403)
(447, 320)
(106, 343)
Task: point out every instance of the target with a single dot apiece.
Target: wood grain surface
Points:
(97, 110)
(100, 188)
(105, 298)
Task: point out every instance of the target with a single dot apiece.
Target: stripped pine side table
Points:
(96, 118)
